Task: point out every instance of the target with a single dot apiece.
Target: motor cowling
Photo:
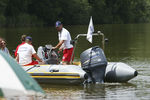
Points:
(94, 62)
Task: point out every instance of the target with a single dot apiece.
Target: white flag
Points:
(90, 30)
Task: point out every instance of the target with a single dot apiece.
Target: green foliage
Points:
(121, 11)
(2, 20)
(72, 12)
(68, 11)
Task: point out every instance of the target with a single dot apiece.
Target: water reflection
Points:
(109, 91)
(23, 98)
(63, 92)
(91, 91)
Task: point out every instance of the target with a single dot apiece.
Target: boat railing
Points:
(99, 33)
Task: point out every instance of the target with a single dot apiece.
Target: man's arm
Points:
(59, 44)
(37, 57)
(17, 58)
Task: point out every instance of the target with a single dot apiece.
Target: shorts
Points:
(67, 53)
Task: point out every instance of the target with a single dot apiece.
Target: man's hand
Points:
(60, 49)
(41, 63)
(59, 44)
(53, 48)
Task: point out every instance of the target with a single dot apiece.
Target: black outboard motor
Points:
(94, 62)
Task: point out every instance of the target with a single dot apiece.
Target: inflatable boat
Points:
(92, 68)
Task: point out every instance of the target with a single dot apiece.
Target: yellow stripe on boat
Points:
(54, 73)
(56, 76)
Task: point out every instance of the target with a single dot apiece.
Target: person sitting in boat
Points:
(64, 43)
(25, 53)
(23, 37)
(3, 46)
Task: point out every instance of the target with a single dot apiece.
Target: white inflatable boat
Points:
(93, 68)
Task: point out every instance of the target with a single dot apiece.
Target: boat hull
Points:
(74, 74)
(56, 74)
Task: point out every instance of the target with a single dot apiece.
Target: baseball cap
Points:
(29, 38)
(58, 23)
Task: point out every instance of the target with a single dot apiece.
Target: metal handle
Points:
(94, 34)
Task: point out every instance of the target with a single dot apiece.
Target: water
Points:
(128, 43)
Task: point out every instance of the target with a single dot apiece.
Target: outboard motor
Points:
(93, 62)
(48, 55)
